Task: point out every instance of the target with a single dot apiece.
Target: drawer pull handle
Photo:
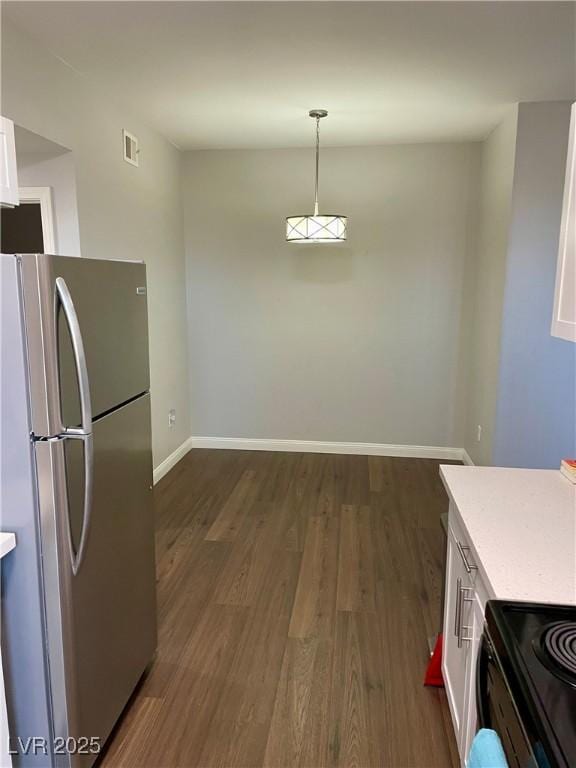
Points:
(463, 549)
(461, 598)
(457, 607)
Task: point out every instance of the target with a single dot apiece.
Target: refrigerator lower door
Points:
(107, 607)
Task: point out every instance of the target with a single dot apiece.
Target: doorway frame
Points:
(43, 196)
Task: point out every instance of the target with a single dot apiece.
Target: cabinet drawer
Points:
(464, 601)
(458, 602)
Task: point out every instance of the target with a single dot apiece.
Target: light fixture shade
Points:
(327, 228)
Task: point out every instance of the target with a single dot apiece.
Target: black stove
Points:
(535, 649)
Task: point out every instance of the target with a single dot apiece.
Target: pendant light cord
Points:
(317, 165)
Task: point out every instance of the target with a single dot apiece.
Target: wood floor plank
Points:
(132, 745)
(357, 481)
(349, 745)
(392, 549)
(257, 544)
(429, 555)
(416, 734)
(330, 489)
(316, 743)
(378, 698)
(375, 473)
(192, 697)
(174, 549)
(348, 590)
(277, 475)
(181, 604)
(314, 605)
(380, 473)
(226, 525)
(196, 481)
(239, 730)
(356, 576)
(298, 735)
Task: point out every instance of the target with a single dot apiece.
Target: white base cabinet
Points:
(464, 603)
(501, 520)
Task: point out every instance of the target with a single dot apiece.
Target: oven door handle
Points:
(482, 707)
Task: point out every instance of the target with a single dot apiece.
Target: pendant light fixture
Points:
(316, 228)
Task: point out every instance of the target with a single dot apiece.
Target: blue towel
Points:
(486, 751)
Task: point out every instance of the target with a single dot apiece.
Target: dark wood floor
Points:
(296, 593)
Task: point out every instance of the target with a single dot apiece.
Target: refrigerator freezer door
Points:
(109, 300)
(109, 608)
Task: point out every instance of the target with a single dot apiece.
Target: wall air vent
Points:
(131, 151)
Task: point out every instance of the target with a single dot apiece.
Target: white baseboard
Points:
(166, 465)
(311, 446)
(315, 446)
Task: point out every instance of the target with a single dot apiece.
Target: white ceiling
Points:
(245, 74)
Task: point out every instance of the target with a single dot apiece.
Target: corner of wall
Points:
(536, 411)
(486, 296)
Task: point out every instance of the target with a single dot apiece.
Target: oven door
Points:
(496, 708)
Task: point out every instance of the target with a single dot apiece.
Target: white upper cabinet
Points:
(564, 318)
(8, 174)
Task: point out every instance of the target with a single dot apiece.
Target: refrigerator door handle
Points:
(79, 359)
(77, 557)
(84, 432)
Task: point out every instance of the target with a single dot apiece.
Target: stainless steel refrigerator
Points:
(78, 592)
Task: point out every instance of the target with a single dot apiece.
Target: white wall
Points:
(486, 288)
(124, 212)
(58, 174)
(536, 408)
(353, 342)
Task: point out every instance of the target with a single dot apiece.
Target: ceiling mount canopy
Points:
(316, 227)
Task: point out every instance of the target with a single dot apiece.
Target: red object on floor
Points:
(434, 669)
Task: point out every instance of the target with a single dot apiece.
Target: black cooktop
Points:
(536, 646)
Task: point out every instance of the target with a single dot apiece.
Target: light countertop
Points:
(7, 543)
(521, 525)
